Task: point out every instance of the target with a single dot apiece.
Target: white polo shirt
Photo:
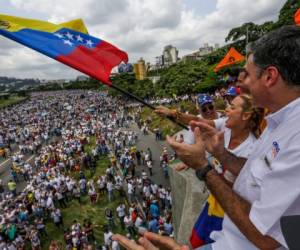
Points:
(269, 180)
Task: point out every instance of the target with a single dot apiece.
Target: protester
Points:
(206, 110)
(241, 129)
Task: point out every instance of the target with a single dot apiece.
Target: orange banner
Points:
(232, 57)
(297, 17)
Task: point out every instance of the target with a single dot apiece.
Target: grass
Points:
(11, 100)
(75, 211)
(85, 210)
(92, 143)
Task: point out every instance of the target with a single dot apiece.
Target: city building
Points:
(139, 69)
(159, 61)
(203, 51)
(170, 55)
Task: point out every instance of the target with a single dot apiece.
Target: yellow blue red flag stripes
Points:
(210, 219)
(68, 43)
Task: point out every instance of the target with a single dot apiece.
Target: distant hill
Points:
(13, 84)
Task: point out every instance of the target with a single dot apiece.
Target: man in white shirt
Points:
(130, 190)
(146, 191)
(121, 209)
(267, 184)
(110, 187)
(115, 245)
(150, 166)
(107, 237)
(266, 187)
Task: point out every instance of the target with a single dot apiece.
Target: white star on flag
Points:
(89, 43)
(79, 38)
(68, 42)
(69, 35)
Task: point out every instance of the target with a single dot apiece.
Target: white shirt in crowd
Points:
(128, 221)
(107, 238)
(115, 245)
(138, 222)
(130, 188)
(109, 186)
(146, 191)
(121, 210)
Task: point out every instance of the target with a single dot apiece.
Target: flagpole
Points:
(146, 104)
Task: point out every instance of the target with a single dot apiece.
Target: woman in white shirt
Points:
(241, 129)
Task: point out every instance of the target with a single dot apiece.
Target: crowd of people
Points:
(54, 130)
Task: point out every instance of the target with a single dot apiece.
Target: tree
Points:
(248, 32)
(286, 14)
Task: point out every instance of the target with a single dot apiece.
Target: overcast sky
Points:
(140, 27)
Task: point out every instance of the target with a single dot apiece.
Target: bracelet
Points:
(178, 115)
(174, 113)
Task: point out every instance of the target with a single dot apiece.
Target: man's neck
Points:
(283, 99)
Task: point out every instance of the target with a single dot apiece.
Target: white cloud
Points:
(140, 27)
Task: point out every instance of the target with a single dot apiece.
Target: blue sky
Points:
(140, 27)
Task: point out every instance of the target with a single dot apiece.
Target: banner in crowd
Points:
(297, 17)
(68, 43)
(232, 57)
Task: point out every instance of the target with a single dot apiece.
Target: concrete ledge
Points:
(188, 197)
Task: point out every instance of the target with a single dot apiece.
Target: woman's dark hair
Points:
(281, 49)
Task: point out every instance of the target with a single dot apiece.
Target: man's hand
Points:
(164, 111)
(150, 241)
(213, 139)
(192, 155)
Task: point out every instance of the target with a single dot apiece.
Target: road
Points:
(156, 147)
(5, 174)
(6, 164)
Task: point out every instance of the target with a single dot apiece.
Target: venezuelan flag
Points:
(210, 219)
(68, 43)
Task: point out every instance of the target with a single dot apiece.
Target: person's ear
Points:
(271, 75)
(246, 115)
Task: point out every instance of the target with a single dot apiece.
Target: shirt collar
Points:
(283, 114)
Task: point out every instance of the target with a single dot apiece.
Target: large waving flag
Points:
(297, 17)
(232, 57)
(68, 43)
